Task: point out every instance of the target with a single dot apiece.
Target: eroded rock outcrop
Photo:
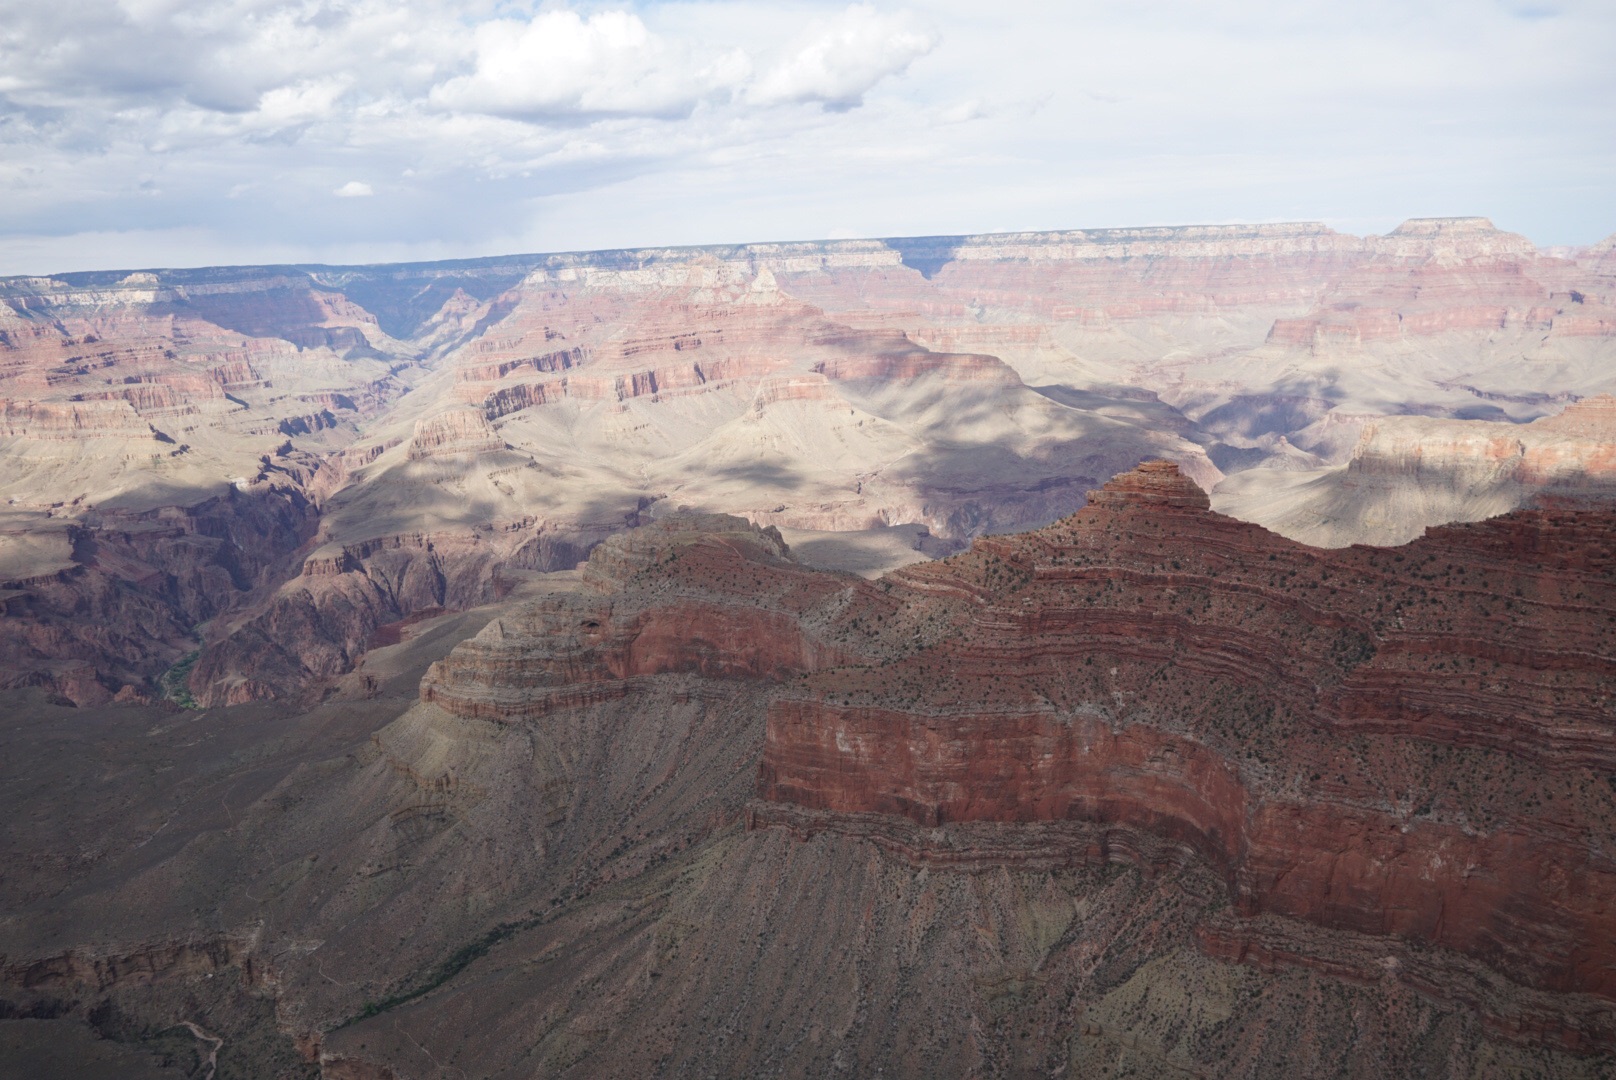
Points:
(459, 431)
(1409, 742)
(1409, 745)
(736, 606)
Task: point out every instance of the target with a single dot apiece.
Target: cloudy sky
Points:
(193, 132)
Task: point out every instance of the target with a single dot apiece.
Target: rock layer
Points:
(445, 418)
(1409, 744)
(1330, 730)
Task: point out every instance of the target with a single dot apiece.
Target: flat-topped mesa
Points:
(618, 559)
(1445, 226)
(1153, 485)
(1452, 238)
(458, 431)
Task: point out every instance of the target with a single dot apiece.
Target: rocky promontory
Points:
(1408, 745)
(1411, 742)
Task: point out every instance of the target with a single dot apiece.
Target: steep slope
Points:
(1148, 789)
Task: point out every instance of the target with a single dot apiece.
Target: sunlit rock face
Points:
(438, 431)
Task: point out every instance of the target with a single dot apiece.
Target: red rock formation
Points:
(1332, 730)
(1400, 753)
(736, 608)
(1411, 744)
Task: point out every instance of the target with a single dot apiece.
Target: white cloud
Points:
(561, 65)
(354, 189)
(301, 103)
(842, 61)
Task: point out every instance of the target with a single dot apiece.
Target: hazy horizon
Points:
(496, 256)
(146, 133)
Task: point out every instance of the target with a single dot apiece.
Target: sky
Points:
(145, 133)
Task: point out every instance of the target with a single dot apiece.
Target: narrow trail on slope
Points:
(211, 1059)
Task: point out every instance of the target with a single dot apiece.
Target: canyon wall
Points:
(1410, 745)
(1335, 732)
(1148, 788)
(450, 427)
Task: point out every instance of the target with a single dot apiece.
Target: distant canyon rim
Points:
(1184, 651)
(265, 465)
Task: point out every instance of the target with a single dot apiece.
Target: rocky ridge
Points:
(1361, 746)
(1051, 803)
(1328, 730)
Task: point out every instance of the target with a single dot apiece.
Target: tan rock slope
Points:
(1409, 472)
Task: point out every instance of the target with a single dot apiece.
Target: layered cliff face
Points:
(1405, 745)
(1149, 789)
(735, 608)
(1334, 733)
(451, 422)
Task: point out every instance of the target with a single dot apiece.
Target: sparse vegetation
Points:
(175, 682)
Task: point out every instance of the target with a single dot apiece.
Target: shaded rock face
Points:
(1409, 472)
(1052, 804)
(316, 626)
(138, 583)
(1329, 730)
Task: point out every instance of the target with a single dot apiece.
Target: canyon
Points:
(253, 469)
(1147, 789)
(1168, 651)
